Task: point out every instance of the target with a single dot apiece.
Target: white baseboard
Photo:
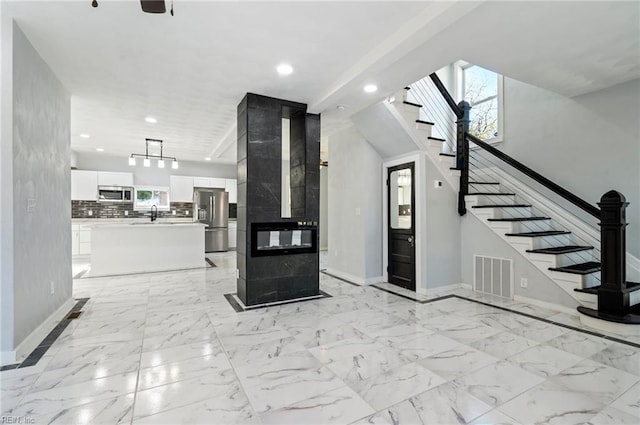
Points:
(346, 276)
(34, 338)
(466, 286)
(373, 280)
(544, 304)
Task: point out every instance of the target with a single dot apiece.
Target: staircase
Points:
(569, 260)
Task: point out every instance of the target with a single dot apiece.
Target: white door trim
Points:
(419, 178)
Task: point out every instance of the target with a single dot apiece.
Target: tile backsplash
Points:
(80, 209)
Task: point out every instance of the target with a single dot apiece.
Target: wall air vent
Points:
(493, 276)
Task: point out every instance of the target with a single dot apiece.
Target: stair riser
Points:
(578, 281)
(549, 260)
(524, 243)
(502, 212)
(446, 160)
(408, 112)
(521, 227)
(493, 188)
(634, 298)
(399, 96)
(422, 127)
(492, 199)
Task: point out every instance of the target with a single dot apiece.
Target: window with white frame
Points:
(483, 90)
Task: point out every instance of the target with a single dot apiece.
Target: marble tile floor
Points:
(167, 348)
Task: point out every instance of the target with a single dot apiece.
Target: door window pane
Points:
(401, 208)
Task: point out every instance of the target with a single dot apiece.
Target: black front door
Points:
(401, 200)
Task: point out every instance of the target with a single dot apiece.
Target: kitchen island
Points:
(122, 248)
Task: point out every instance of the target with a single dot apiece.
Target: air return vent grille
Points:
(493, 276)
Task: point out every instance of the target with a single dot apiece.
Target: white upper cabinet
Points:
(213, 183)
(84, 185)
(231, 186)
(107, 178)
(181, 188)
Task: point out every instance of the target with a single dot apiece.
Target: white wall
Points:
(40, 155)
(589, 144)
(354, 208)
(153, 176)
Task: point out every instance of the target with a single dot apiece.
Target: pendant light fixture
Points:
(146, 162)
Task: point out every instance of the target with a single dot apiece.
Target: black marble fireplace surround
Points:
(291, 272)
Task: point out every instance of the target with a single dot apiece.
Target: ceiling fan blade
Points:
(153, 6)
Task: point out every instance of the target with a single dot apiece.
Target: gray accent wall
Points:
(354, 206)
(589, 144)
(479, 239)
(152, 176)
(41, 251)
(442, 235)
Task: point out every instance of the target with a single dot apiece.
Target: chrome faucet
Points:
(154, 213)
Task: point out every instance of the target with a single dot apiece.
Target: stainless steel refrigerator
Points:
(211, 207)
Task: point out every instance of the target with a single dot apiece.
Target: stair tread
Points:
(493, 183)
(560, 249)
(543, 233)
(490, 194)
(519, 219)
(503, 206)
(417, 105)
(631, 287)
(451, 155)
(425, 122)
(436, 138)
(581, 268)
(455, 169)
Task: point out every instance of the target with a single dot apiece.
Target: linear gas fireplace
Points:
(283, 238)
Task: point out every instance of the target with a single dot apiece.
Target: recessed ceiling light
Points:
(284, 69)
(207, 158)
(151, 120)
(85, 136)
(100, 149)
(370, 88)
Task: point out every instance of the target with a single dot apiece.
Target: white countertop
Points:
(84, 221)
(146, 225)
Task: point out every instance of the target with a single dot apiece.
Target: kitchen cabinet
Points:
(80, 239)
(233, 234)
(108, 178)
(84, 185)
(209, 182)
(231, 186)
(181, 188)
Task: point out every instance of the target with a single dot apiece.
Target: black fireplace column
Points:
(278, 200)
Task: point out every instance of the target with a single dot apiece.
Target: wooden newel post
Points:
(613, 297)
(462, 154)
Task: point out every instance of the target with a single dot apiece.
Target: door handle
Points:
(212, 202)
(410, 239)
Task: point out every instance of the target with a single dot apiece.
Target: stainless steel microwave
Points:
(115, 194)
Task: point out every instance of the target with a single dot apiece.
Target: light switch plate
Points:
(31, 205)
(524, 282)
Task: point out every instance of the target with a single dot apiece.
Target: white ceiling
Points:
(190, 71)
